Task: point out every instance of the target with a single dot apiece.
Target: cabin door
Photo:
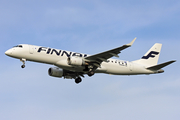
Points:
(31, 49)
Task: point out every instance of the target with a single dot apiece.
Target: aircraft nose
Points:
(8, 52)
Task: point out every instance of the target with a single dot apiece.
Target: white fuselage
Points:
(59, 58)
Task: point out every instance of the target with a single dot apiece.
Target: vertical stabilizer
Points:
(151, 57)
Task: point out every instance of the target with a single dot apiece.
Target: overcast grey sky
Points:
(90, 26)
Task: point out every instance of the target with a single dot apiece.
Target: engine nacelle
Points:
(77, 61)
(55, 72)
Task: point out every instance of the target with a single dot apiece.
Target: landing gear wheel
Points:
(78, 80)
(90, 73)
(22, 66)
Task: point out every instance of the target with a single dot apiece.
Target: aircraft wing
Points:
(100, 57)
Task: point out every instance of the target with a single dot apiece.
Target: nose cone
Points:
(8, 52)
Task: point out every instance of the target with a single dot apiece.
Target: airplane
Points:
(72, 65)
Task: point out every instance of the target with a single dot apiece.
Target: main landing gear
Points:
(23, 61)
(90, 70)
(90, 73)
(78, 80)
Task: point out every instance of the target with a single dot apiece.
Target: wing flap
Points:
(115, 55)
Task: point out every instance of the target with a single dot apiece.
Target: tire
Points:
(78, 80)
(22, 66)
(91, 73)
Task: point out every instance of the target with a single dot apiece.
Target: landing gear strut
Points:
(23, 61)
(78, 80)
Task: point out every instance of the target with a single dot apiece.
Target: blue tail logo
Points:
(151, 54)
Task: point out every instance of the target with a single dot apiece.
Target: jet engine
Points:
(55, 72)
(77, 61)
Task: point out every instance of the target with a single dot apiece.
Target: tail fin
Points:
(152, 56)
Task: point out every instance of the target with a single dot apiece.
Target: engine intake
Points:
(55, 72)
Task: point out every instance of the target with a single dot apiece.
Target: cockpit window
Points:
(18, 46)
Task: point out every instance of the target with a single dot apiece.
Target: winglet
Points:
(131, 42)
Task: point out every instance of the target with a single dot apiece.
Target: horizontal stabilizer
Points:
(159, 66)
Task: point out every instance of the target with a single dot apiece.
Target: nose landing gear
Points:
(22, 66)
(23, 61)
